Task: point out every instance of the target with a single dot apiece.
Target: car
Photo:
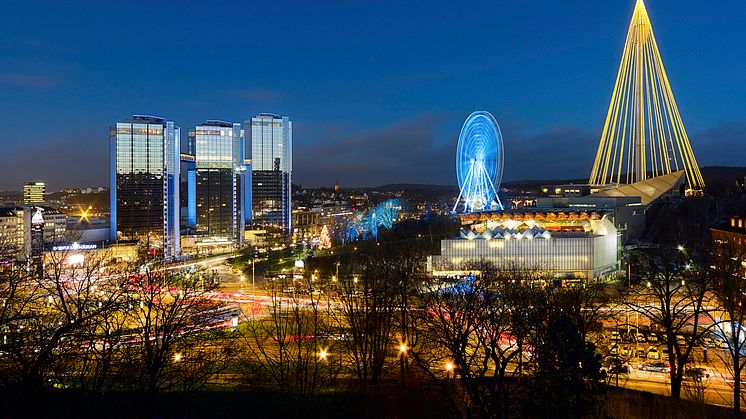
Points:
(614, 349)
(724, 344)
(653, 353)
(639, 337)
(614, 365)
(652, 337)
(698, 373)
(615, 335)
(289, 290)
(680, 339)
(655, 367)
(625, 352)
(707, 342)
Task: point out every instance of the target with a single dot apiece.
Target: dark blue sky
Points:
(377, 90)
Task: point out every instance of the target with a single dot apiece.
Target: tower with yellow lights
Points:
(643, 135)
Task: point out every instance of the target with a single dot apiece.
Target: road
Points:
(716, 390)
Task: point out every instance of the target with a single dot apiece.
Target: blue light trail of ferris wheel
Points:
(479, 164)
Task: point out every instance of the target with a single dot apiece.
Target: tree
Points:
(291, 349)
(567, 378)
(368, 306)
(672, 296)
(730, 316)
(174, 344)
(325, 241)
(54, 314)
(473, 322)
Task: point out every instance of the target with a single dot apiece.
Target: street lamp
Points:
(680, 248)
(177, 357)
(402, 354)
(322, 355)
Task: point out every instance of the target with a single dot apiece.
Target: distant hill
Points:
(713, 175)
(393, 187)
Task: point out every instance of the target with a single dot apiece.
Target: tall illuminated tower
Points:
(218, 182)
(144, 182)
(643, 135)
(271, 144)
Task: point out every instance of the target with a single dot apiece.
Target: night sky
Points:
(377, 90)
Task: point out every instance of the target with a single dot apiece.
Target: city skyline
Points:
(548, 89)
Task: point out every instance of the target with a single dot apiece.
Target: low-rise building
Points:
(555, 244)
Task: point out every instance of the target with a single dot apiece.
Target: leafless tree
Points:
(368, 306)
(56, 309)
(176, 341)
(673, 296)
(292, 345)
(479, 326)
(730, 316)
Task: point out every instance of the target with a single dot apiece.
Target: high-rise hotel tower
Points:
(271, 145)
(216, 205)
(144, 182)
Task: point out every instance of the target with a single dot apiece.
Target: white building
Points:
(572, 245)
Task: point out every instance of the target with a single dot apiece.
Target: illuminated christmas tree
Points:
(325, 240)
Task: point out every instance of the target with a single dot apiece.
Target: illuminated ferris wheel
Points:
(479, 164)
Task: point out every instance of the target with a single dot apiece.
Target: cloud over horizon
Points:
(419, 149)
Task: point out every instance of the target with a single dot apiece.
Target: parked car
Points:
(681, 339)
(614, 365)
(698, 373)
(639, 337)
(655, 367)
(652, 338)
(625, 351)
(653, 353)
(724, 344)
(707, 342)
(615, 335)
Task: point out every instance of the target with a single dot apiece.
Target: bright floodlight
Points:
(479, 164)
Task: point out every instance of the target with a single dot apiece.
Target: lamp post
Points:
(402, 355)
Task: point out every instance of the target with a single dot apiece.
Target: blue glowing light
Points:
(384, 215)
(479, 164)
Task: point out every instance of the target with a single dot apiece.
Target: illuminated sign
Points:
(75, 246)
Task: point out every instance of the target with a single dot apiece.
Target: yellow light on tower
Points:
(643, 133)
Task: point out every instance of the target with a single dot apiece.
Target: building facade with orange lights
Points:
(729, 239)
(554, 244)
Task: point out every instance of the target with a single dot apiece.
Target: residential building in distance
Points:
(729, 240)
(144, 182)
(33, 193)
(25, 230)
(271, 145)
(217, 188)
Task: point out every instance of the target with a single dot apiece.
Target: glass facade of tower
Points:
(218, 180)
(144, 182)
(271, 142)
